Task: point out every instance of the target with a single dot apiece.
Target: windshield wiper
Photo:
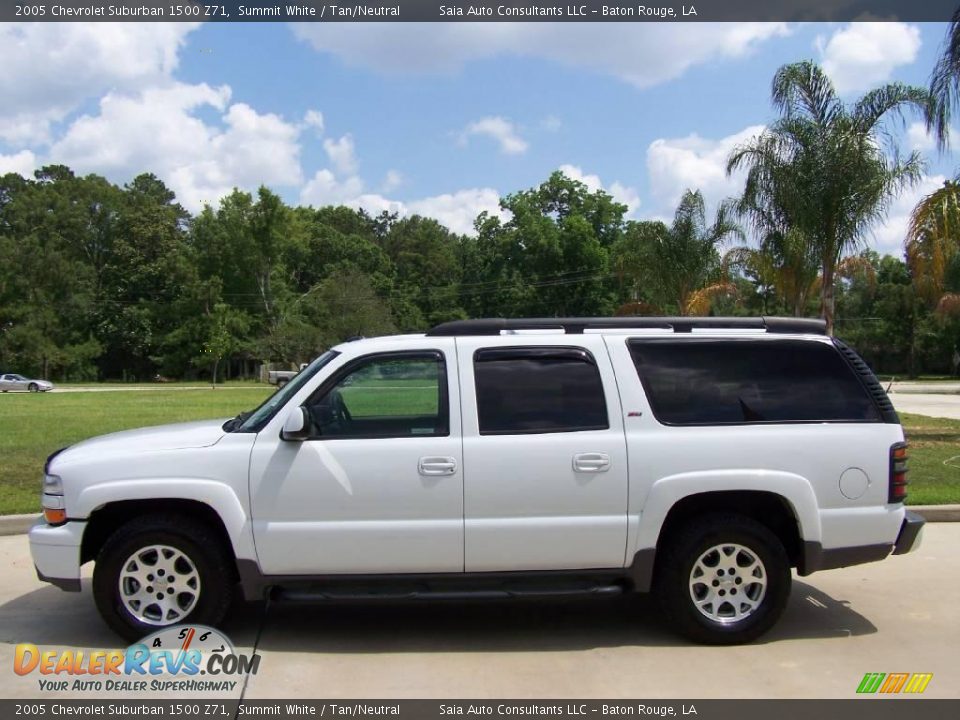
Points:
(234, 423)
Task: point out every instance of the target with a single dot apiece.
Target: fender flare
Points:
(217, 495)
(795, 490)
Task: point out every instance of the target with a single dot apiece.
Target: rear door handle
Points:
(591, 462)
(437, 466)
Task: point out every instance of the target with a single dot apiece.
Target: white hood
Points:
(203, 433)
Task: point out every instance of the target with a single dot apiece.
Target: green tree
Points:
(550, 258)
(830, 168)
(226, 328)
(933, 247)
(945, 83)
(785, 263)
(679, 268)
(424, 257)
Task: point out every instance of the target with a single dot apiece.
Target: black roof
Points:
(494, 326)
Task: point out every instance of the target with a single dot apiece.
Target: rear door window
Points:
(742, 381)
(538, 390)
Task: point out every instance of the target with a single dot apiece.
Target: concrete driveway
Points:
(900, 615)
(933, 405)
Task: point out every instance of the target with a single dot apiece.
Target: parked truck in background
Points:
(282, 377)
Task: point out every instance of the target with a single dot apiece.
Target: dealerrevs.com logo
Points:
(894, 683)
(181, 658)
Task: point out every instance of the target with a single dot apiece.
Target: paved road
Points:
(158, 386)
(944, 406)
(898, 615)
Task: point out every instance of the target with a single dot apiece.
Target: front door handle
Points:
(437, 466)
(591, 462)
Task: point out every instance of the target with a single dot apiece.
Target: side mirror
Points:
(295, 427)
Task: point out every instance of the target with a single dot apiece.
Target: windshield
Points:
(259, 417)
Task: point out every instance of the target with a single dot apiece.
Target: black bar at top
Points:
(459, 11)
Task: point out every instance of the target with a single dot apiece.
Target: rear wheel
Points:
(281, 382)
(723, 579)
(162, 570)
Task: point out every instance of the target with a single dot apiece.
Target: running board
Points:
(329, 594)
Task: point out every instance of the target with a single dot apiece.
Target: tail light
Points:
(898, 472)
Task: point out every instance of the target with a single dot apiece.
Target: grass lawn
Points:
(391, 397)
(934, 459)
(33, 426)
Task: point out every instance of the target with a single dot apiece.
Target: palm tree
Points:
(783, 263)
(933, 237)
(678, 266)
(933, 245)
(945, 83)
(827, 169)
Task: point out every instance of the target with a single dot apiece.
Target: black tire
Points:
(281, 382)
(675, 565)
(203, 547)
(33, 387)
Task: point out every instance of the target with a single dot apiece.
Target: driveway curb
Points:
(19, 524)
(937, 513)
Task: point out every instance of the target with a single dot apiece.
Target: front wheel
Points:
(723, 579)
(33, 387)
(162, 570)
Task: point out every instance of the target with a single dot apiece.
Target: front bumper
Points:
(911, 533)
(56, 553)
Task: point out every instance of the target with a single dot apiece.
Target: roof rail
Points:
(494, 326)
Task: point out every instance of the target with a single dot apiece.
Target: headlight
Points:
(54, 509)
(52, 485)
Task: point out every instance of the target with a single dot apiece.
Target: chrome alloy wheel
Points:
(728, 582)
(159, 585)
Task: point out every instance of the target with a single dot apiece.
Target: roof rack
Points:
(574, 326)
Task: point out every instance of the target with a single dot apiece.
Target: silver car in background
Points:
(11, 381)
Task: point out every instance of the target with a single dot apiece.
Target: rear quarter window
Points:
(745, 381)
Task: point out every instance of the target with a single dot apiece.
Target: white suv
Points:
(700, 458)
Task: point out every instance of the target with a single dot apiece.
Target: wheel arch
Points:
(105, 520)
(772, 510)
(785, 503)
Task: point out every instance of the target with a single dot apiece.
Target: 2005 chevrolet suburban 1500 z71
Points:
(700, 459)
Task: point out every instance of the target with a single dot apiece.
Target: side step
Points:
(425, 592)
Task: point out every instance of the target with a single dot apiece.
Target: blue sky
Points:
(438, 119)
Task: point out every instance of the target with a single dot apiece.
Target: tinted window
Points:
(706, 382)
(383, 396)
(538, 390)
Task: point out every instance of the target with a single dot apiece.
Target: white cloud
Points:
(314, 119)
(49, 69)
(642, 54)
(620, 192)
(455, 210)
(918, 138)
(863, 54)
(325, 189)
(392, 180)
(888, 236)
(458, 210)
(695, 163)
(501, 130)
(342, 154)
(23, 163)
(158, 130)
(551, 123)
